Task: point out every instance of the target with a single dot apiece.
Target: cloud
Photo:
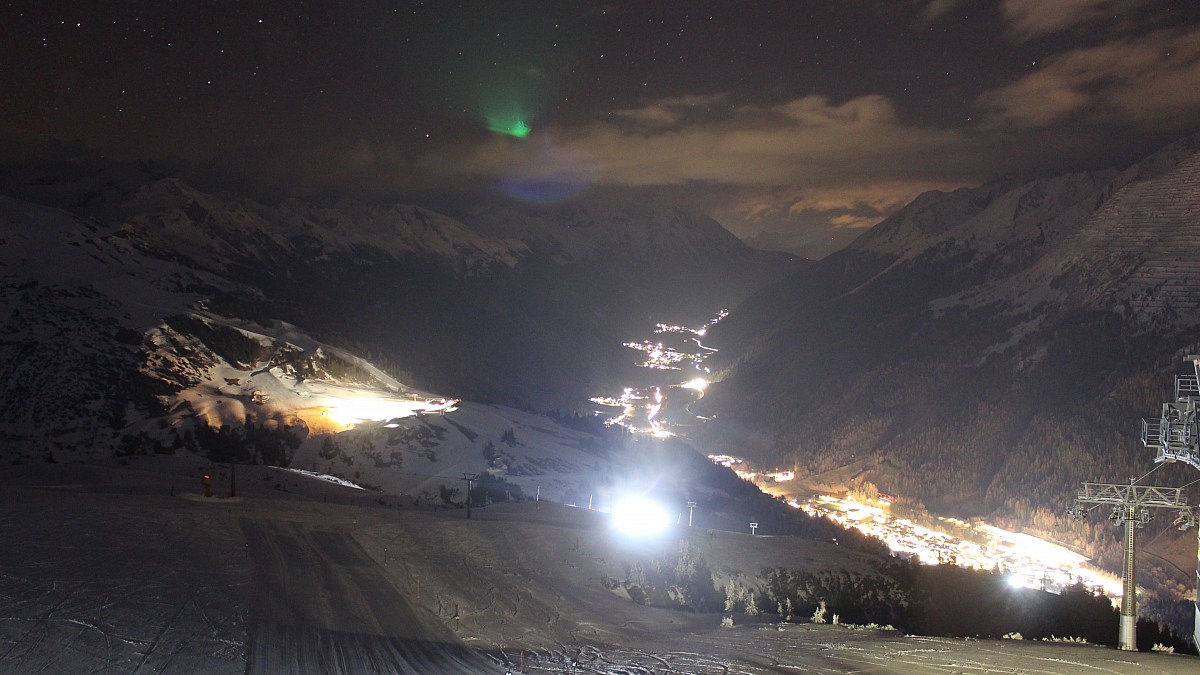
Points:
(936, 9)
(670, 111)
(862, 204)
(811, 170)
(814, 221)
(1149, 81)
(810, 140)
(844, 206)
(819, 169)
(1032, 19)
(1029, 19)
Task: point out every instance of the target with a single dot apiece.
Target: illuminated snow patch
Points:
(353, 411)
(327, 478)
(350, 411)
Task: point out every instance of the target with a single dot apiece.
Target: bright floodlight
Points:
(640, 517)
(352, 411)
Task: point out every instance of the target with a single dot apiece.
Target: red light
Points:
(207, 477)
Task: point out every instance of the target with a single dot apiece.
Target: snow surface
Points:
(380, 433)
(130, 569)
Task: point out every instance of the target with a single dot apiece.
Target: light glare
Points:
(352, 411)
(640, 517)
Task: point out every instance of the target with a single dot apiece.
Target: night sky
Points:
(795, 123)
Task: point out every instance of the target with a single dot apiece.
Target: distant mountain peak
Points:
(976, 334)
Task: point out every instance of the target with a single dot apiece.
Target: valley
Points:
(408, 353)
(674, 375)
(599, 338)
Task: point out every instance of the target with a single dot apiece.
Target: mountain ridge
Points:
(142, 264)
(968, 325)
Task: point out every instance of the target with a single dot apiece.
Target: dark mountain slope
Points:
(980, 350)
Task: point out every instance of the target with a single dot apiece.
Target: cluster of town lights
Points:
(659, 357)
(639, 410)
(1026, 560)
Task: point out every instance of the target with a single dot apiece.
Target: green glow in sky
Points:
(510, 127)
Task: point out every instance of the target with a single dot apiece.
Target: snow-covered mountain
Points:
(76, 298)
(108, 350)
(1107, 239)
(145, 316)
(220, 234)
(981, 350)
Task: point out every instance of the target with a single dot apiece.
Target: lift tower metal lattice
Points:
(1176, 432)
(1130, 503)
(1176, 437)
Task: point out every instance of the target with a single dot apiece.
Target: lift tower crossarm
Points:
(1130, 508)
(1139, 495)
